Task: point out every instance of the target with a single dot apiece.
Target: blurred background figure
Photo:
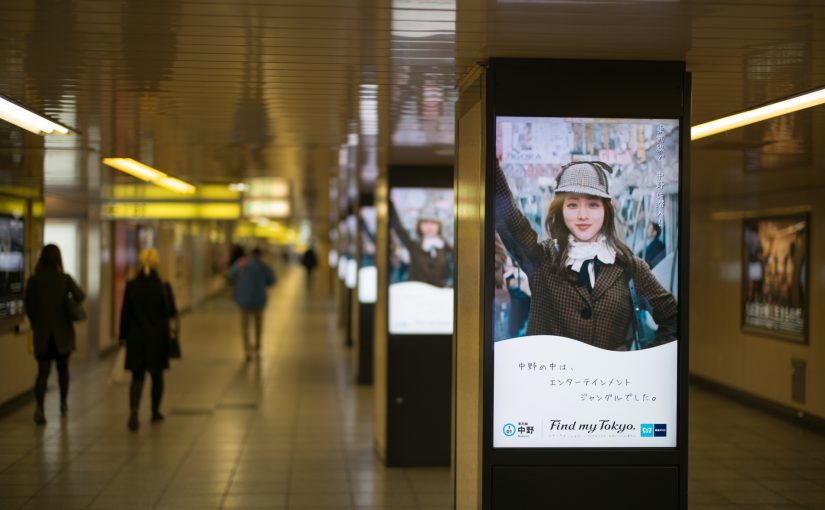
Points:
(655, 251)
(148, 308)
(250, 277)
(53, 336)
(310, 261)
(235, 253)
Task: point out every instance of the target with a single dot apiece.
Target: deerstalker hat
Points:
(429, 213)
(586, 177)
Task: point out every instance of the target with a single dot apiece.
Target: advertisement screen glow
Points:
(585, 308)
(421, 261)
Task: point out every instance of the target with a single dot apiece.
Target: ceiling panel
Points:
(219, 89)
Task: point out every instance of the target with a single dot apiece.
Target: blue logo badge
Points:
(509, 430)
(660, 430)
(647, 429)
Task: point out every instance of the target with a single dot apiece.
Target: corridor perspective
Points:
(290, 431)
(527, 254)
(287, 430)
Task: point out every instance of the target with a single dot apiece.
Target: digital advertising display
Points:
(332, 257)
(367, 272)
(775, 280)
(351, 268)
(12, 248)
(343, 243)
(421, 261)
(585, 269)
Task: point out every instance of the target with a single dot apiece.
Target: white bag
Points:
(117, 375)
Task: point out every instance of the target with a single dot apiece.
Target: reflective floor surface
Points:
(290, 430)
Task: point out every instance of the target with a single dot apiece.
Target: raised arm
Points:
(398, 227)
(515, 231)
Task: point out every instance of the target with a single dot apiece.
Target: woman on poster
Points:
(580, 278)
(430, 254)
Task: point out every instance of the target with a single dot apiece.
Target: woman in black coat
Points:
(148, 308)
(53, 332)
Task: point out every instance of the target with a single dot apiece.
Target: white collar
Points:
(432, 243)
(578, 252)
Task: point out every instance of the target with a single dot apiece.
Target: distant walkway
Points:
(292, 431)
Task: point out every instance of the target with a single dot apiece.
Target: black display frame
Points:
(648, 90)
(366, 311)
(419, 366)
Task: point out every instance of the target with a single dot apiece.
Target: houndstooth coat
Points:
(560, 305)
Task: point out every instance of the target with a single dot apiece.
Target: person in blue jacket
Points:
(250, 277)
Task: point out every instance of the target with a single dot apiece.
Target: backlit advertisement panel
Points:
(12, 249)
(367, 273)
(585, 307)
(776, 276)
(421, 261)
(351, 270)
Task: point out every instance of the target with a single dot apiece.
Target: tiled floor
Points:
(291, 431)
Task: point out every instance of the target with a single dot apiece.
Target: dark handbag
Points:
(174, 324)
(643, 333)
(74, 310)
(174, 344)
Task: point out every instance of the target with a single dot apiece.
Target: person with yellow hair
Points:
(148, 308)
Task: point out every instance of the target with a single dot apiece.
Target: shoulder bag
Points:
(643, 333)
(74, 309)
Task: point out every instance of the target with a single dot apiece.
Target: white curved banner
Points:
(418, 308)
(351, 274)
(367, 284)
(552, 392)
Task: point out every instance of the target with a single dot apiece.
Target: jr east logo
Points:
(654, 429)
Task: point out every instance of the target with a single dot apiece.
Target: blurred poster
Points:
(367, 273)
(12, 249)
(351, 269)
(776, 276)
(585, 301)
(421, 261)
(343, 250)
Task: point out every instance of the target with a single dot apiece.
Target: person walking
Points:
(148, 309)
(250, 276)
(53, 336)
(310, 261)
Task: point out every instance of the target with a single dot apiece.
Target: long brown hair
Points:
(558, 231)
(50, 258)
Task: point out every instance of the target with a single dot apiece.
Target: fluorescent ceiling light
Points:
(27, 119)
(769, 111)
(176, 185)
(149, 174)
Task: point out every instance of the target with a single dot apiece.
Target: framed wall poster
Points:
(12, 265)
(775, 276)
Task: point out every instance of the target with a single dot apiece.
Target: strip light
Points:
(22, 117)
(769, 111)
(149, 174)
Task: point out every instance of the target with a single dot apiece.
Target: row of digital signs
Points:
(584, 313)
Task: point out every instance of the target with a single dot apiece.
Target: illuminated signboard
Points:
(585, 314)
(367, 272)
(421, 261)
